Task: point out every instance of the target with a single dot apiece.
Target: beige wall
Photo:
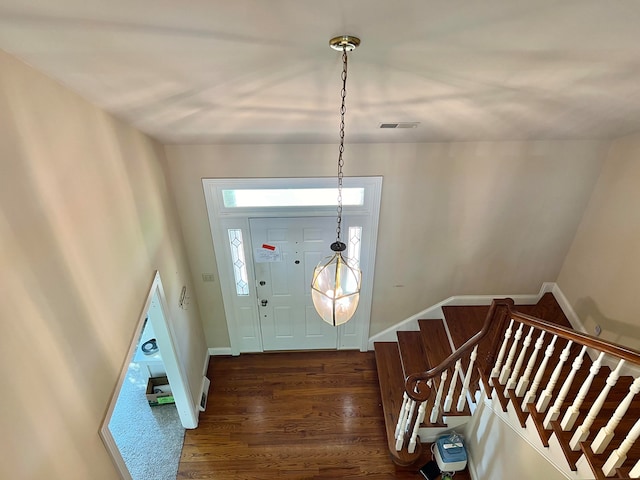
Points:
(456, 218)
(601, 274)
(85, 220)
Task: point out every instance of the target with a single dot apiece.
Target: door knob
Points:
(264, 303)
(262, 283)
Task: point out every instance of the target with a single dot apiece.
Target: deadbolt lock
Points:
(262, 283)
(264, 302)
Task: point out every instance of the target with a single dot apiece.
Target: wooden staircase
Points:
(430, 349)
(413, 352)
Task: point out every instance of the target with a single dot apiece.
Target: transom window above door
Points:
(290, 197)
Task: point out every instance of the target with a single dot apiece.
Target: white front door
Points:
(285, 252)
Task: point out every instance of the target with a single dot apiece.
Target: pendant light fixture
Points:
(335, 287)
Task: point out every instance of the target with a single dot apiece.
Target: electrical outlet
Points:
(208, 277)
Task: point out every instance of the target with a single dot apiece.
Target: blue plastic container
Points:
(450, 453)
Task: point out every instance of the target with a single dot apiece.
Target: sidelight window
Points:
(239, 262)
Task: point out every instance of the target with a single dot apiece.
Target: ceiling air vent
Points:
(400, 125)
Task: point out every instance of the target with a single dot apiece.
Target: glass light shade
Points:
(335, 289)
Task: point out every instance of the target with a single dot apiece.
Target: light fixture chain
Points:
(343, 110)
(335, 285)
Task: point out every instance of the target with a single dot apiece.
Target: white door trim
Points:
(221, 218)
(186, 403)
(174, 368)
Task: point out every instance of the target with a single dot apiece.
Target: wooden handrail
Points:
(499, 311)
(416, 384)
(620, 351)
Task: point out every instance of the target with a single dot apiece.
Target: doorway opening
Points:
(252, 224)
(150, 409)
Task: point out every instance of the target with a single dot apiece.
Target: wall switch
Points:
(208, 277)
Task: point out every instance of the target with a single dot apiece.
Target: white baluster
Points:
(619, 455)
(554, 411)
(571, 415)
(511, 383)
(635, 471)
(547, 393)
(412, 410)
(506, 369)
(605, 434)
(405, 399)
(414, 435)
(435, 411)
(495, 372)
(403, 426)
(523, 383)
(531, 394)
(582, 432)
(462, 400)
(452, 386)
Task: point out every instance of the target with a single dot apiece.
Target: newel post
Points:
(499, 314)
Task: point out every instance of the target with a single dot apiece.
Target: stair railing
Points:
(501, 334)
(417, 385)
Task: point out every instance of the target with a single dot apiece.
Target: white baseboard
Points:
(219, 351)
(435, 311)
(568, 310)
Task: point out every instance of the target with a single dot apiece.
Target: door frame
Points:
(247, 338)
(176, 373)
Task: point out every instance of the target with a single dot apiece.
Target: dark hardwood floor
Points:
(310, 415)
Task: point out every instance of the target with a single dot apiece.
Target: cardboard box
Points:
(159, 391)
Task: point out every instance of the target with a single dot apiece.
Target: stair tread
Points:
(538, 419)
(391, 381)
(412, 354)
(516, 402)
(437, 348)
(465, 321)
(563, 439)
(502, 398)
(548, 309)
(594, 462)
(435, 340)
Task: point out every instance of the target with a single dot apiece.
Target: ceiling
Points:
(252, 71)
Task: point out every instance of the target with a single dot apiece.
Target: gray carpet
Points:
(150, 439)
